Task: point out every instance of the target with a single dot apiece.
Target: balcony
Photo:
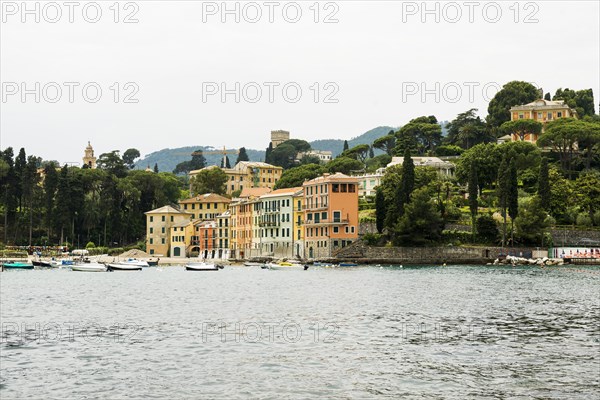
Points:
(315, 208)
(268, 223)
(329, 221)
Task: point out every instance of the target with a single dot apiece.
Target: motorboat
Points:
(17, 265)
(347, 264)
(89, 267)
(201, 266)
(41, 263)
(286, 266)
(253, 264)
(130, 264)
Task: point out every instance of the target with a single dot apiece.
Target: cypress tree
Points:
(513, 196)
(544, 184)
(503, 183)
(371, 152)
(473, 193)
(242, 155)
(380, 210)
(346, 147)
(156, 167)
(408, 178)
(268, 153)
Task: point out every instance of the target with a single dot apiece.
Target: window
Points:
(163, 240)
(151, 241)
(351, 188)
(539, 115)
(172, 218)
(164, 218)
(151, 230)
(163, 229)
(337, 216)
(559, 114)
(346, 229)
(336, 229)
(335, 188)
(352, 229)
(549, 115)
(151, 219)
(521, 116)
(298, 234)
(324, 215)
(344, 188)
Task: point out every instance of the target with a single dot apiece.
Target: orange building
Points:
(542, 111)
(204, 239)
(330, 214)
(243, 222)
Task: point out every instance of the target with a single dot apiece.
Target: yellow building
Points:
(181, 238)
(158, 228)
(298, 218)
(89, 161)
(541, 110)
(249, 174)
(205, 206)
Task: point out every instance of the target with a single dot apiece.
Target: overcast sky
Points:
(374, 61)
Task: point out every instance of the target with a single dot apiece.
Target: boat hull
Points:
(124, 267)
(18, 266)
(89, 267)
(290, 267)
(201, 267)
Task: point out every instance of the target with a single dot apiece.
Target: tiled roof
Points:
(338, 176)
(206, 198)
(167, 210)
(282, 192)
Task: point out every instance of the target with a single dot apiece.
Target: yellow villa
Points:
(541, 110)
(249, 174)
(205, 206)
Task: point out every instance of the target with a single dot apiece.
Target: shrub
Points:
(115, 251)
(372, 239)
(584, 219)
(487, 229)
(90, 245)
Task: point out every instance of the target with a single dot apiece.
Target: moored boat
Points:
(347, 264)
(123, 266)
(18, 265)
(201, 266)
(253, 264)
(89, 267)
(286, 266)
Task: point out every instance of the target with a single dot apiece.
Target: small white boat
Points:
(89, 267)
(286, 266)
(201, 266)
(253, 264)
(131, 264)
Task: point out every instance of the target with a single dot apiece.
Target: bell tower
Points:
(89, 161)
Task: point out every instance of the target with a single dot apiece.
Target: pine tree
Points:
(473, 193)
(156, 167)
(242, 155)
(380, 210)
(544, 184)
(513, 197)
(346, 147)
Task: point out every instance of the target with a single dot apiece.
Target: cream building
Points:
(445, 168)
(89, 160)
(249, 174)
(278, 137)
(158, 228)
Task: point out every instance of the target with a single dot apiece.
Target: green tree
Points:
(371, 152)
(587, 187)
(467, 130)
(487, 229)
(268, 153)
(197, 162)
(521, 127)
(346, 147)
(512, 94)
(503, 189)
(408, 178)
(242, 155)
(283, 155)
(345, 165)
(581, 101)
(562, 136)
(130, 156)
(112, 163)
(386, 143)
(156, 168)
(532, 222)
(296, 176)
(209, 180)
(358, 152)
(473, 187)
(380, 209)
(225, 162)
(513, 197)
(420, 223)
(544, 190)
(419, 135)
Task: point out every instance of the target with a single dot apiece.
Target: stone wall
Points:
(574, 237)
(361, 253)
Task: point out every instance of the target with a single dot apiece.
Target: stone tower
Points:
(278, 137)
(88, 158)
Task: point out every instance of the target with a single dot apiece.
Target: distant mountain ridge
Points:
(167, 159)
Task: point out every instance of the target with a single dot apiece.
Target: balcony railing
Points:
(329, 221)
(319, 207)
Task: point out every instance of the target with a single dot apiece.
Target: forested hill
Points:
(167, 159)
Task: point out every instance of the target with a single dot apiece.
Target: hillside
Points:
(167, 159)
(336, 145)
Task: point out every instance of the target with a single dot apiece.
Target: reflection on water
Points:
(454, 332)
